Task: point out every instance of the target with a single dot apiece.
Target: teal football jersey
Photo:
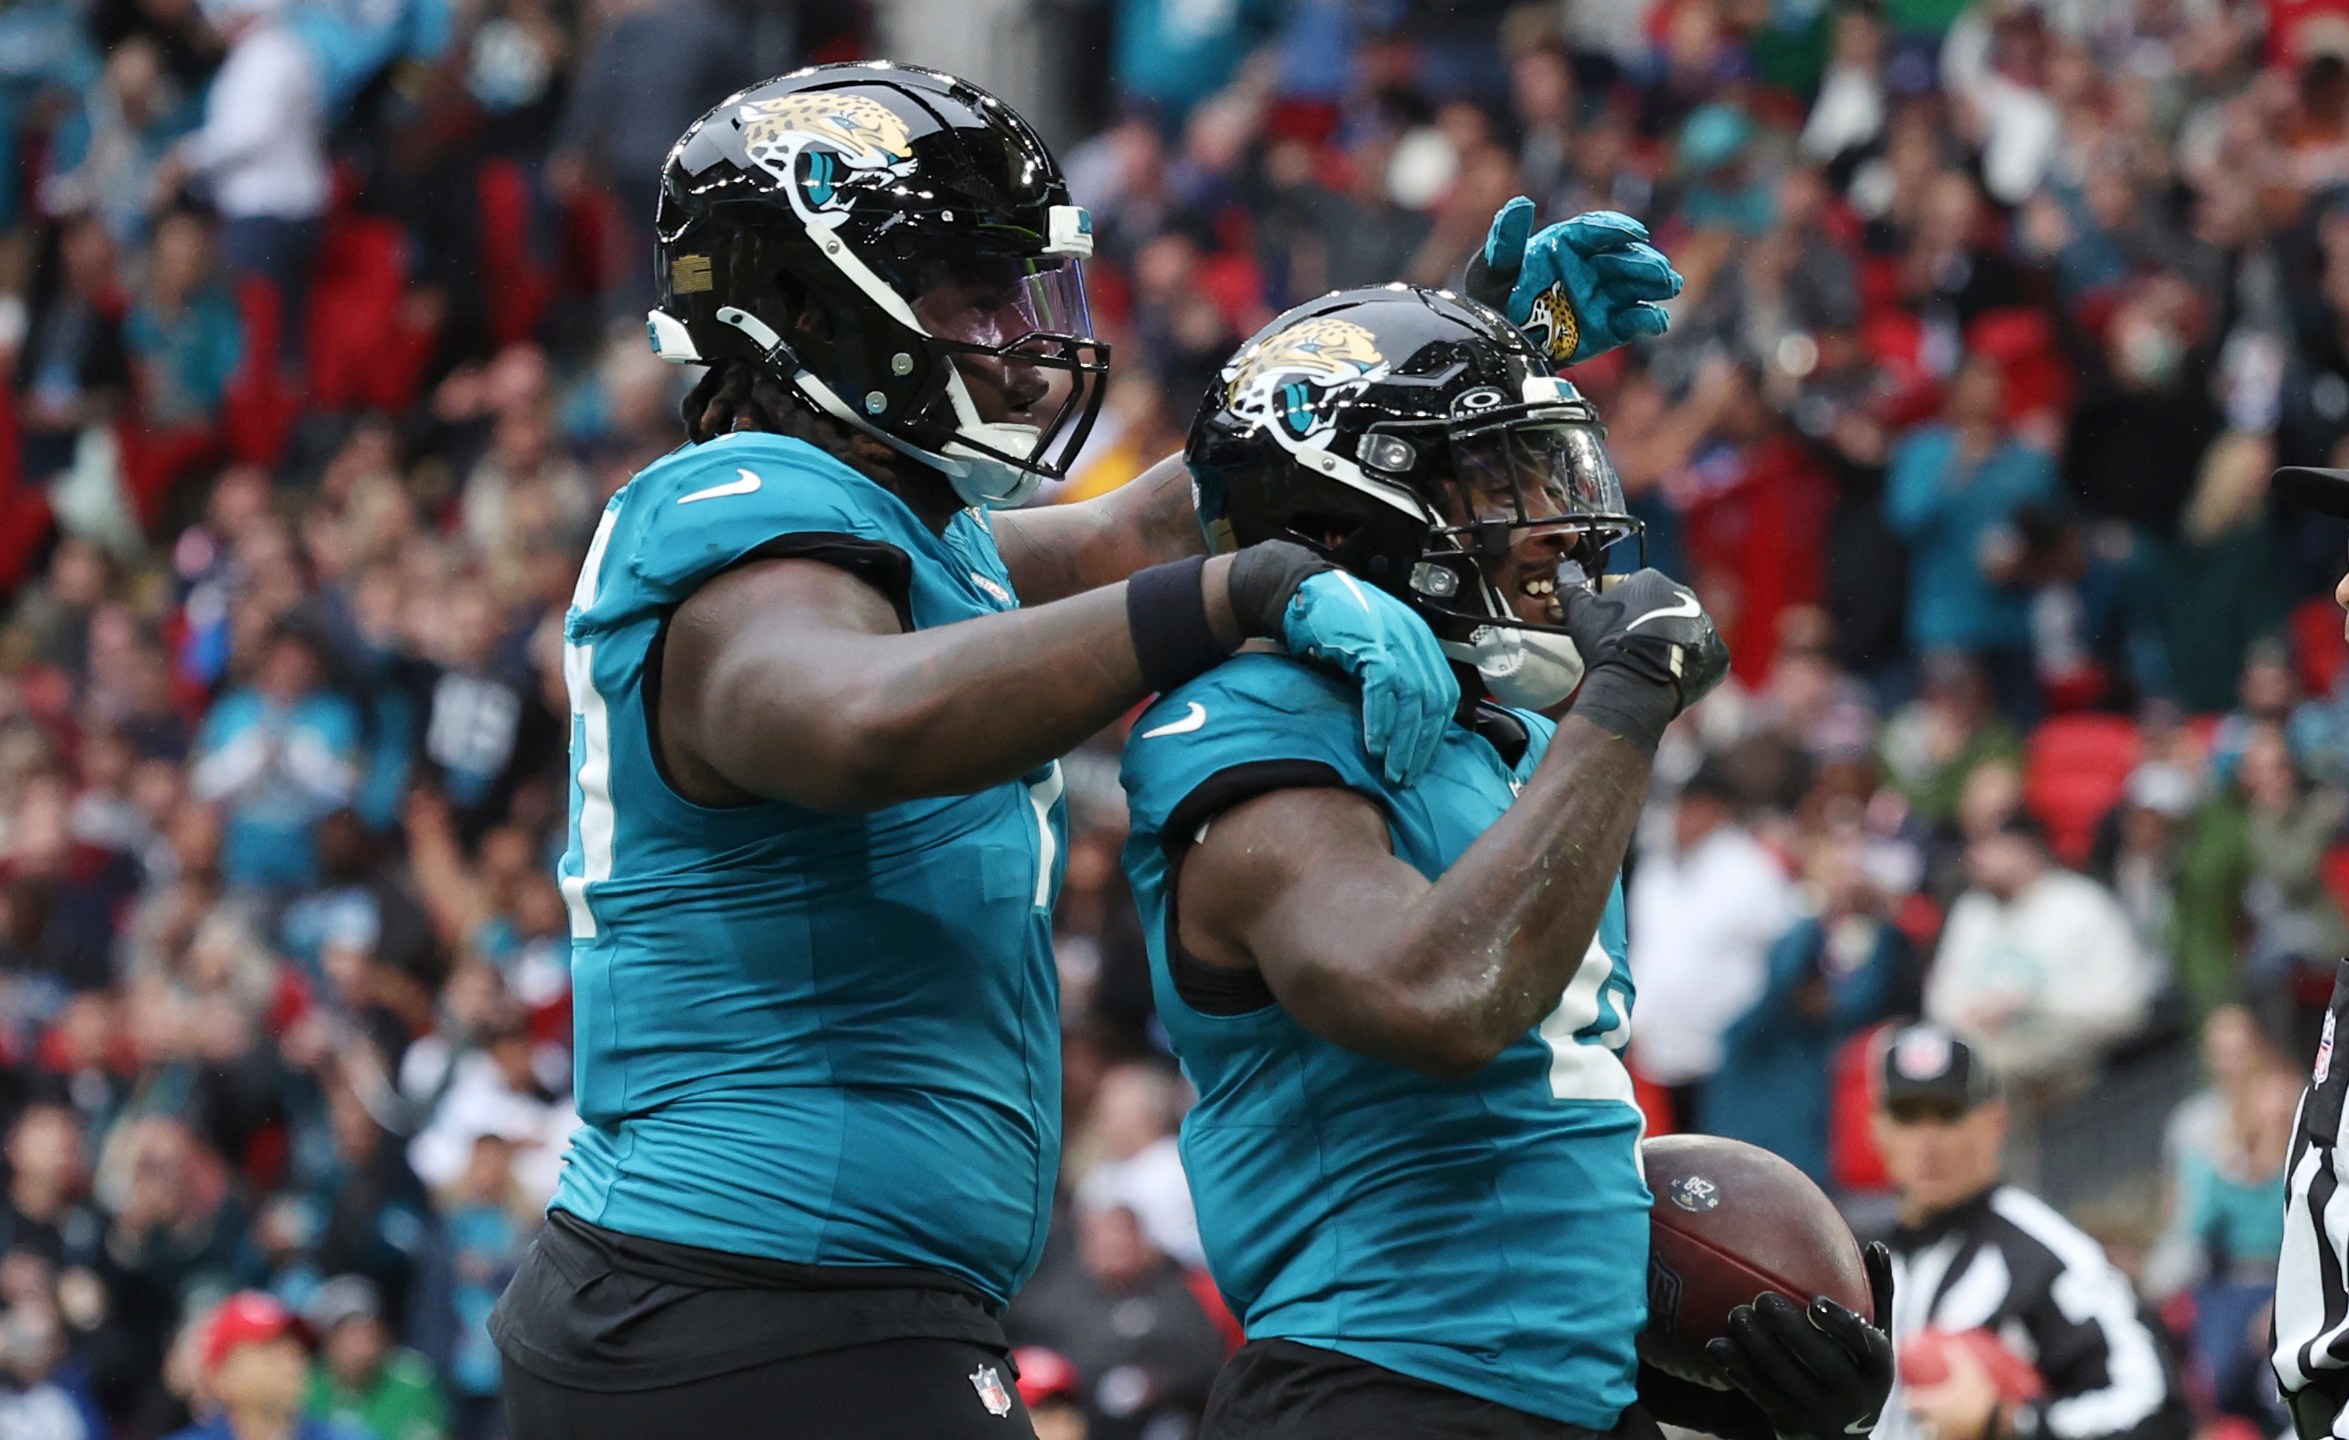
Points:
(1490, 1234)
(825, 1039)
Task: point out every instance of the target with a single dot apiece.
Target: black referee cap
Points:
(1927, 1064)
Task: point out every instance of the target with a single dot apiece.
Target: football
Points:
(1730, 1221)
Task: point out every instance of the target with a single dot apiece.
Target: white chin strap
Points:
(980, 480)
(1527, 669)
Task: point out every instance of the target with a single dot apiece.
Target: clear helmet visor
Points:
(1533, 473)
(1001, 300)
(1020, 334)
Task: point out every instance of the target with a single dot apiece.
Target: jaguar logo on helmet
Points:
(1277, 380)
(811, 141)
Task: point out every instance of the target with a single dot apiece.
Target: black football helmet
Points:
(859, 229)
(1414, 437)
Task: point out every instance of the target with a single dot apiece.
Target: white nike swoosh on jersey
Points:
(749, 482)
(1193, 721)
(1687, 607)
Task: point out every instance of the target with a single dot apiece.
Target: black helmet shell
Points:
(800, 220)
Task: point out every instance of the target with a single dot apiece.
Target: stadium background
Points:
(1998, 316)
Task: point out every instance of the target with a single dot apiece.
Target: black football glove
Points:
(1649, 649)
(1820, 1373)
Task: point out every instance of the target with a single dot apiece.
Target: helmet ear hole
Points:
(1326, 533)
(805, 312)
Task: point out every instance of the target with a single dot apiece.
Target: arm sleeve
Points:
(2312, 1297)
(1869, 996)
(2107, 1378)
(1790, 967)
(1949, 986)
(1914, 492)
(255, 96)
(699, 513)
(1249, 727)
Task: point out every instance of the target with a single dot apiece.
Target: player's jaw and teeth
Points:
(1500, 487)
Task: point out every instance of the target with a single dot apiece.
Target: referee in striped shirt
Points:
(2312, 1303)
(2312, 1300)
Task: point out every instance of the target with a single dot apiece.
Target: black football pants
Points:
(1279, 1390)
(895, 1390)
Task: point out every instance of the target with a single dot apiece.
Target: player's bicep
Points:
(758, 678)
(1303, 886)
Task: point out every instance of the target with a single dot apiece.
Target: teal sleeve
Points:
(1254, 724)
(1916, 489)
(705, 508)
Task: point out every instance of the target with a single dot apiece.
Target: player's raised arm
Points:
(1301, 885)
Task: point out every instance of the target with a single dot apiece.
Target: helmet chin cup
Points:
(1527, 669)
(981, 479)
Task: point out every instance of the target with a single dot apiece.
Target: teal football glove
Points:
(1282, 591)
(1409, 693)
(1581, 287)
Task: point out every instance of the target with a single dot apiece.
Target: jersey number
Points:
(1587, 1032)
(591, 741)
(1043, 794)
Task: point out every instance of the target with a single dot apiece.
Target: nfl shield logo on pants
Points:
(991, 1391)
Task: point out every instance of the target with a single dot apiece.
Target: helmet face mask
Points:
(899, 248)
(1416, 438)
(1529, 486)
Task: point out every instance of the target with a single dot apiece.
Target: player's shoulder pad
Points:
(1253, 710)
(701, 508)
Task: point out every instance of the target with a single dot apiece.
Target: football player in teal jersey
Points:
(819, 674)
(1415, 1152)
(816, 827)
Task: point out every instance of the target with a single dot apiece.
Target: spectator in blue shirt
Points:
(278, 757)
(185, 335)
(1837, 971)
(1172, 54)
(1952, 493)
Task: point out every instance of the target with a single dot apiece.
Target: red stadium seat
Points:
(155, 459)
(257, 414)
(2317, 651)
(1852, 1160)
(2022, 343)
(365, 352)
(2074, 771)
(2336, 872)
(515, 283)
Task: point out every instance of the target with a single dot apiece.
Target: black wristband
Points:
(1166, 612)
(1262, 579)
(1623, 704)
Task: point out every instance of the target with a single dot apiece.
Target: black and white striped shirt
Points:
(2312, 1301)
(2006, 1262)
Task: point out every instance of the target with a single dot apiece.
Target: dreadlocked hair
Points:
(744, 395)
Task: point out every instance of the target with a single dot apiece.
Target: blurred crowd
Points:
(322, 328)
